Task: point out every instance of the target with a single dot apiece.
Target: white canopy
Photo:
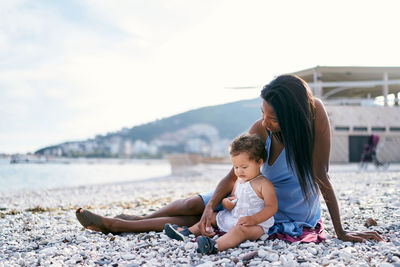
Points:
(330, 83)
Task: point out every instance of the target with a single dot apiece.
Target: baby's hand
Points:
(246, 221)
(229, 203)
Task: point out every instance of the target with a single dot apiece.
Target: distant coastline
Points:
(77, 172)
(204, 131)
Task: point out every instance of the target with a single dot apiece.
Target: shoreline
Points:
(39, 226)
(32, 176)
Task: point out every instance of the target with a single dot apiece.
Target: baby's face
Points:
(245, 168)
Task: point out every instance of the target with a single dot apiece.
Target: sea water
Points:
(30, 176)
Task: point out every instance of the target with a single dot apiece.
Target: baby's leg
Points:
(237, 235)
(195, 229)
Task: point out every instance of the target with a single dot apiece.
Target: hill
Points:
(200, 131)
(229, 119)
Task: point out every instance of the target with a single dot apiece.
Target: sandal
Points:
(171, 230)
(87, 219)
(206, 245)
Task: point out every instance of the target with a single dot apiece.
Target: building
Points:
(360, 101)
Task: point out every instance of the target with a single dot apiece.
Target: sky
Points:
(73, 69)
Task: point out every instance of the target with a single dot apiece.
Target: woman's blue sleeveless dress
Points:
(294, 212)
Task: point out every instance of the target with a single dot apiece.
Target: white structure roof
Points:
(347, 82)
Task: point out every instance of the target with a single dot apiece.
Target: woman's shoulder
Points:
(318, 101)
(319, 105)
(258, 129)
(321, 121)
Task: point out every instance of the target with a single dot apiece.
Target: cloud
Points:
(77, 71)
(74, 69)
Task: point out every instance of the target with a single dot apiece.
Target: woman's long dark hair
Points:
(294, 108)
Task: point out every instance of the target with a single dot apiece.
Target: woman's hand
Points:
(229, 202)
(205, 222)
(354, 236)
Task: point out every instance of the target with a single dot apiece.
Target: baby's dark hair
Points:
(251, 144)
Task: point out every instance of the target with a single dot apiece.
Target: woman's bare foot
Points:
(91, 221)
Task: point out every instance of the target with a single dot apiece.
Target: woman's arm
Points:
(321, 167)
(223, 188)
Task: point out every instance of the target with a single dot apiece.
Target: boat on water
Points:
(21, 158)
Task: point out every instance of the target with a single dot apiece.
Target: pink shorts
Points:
(309, 235)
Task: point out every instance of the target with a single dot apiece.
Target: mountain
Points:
(200, 130)
(229, 119)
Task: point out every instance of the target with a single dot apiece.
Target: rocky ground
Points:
(39, 228)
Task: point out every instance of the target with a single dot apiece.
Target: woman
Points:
(296, 130)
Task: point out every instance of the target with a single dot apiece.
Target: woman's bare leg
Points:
(181, 212)
(146, 225)
(192, 206)
(237, 235)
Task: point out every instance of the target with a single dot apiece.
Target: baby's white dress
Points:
(248, 203)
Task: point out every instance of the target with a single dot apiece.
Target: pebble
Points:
(248, 245)
(312, 250)
(262, 253)
(81, 238)
(190, 246)
(236, 253)
(55, 238)
(206, 264)
(271, 257)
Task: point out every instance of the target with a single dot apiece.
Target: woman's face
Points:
(269, 119)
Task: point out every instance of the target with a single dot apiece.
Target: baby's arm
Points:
(270, 204)
(230, 202)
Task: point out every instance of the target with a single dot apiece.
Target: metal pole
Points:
(385, 88)
(317, 89)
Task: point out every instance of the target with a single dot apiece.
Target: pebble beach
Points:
(39, 228)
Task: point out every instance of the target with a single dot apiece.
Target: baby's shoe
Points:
(206, 245)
